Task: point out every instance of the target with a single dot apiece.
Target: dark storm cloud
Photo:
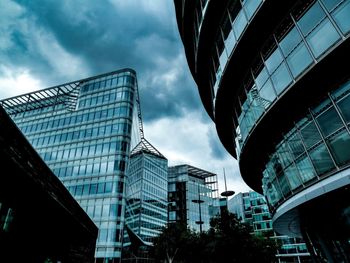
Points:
(107, 36)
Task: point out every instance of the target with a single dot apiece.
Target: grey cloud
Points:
(217, 150)
(106, 38)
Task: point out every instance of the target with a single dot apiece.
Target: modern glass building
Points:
(84, 131)
(193, 196)
(39, 220)
(147, 196)
(251, 208)
(271, 75)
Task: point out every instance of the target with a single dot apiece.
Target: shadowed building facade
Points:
(39, 219)
(271, 76)
(84, 130)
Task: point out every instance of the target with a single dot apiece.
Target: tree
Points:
(173, 243)
(228, 240)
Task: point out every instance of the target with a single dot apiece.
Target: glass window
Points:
(311, 18)
(342, 17)
(295, 145)
(310, 134)
(274, 60)
(299, 60)
(239, 24)
(329, 121)
(331, 4)
(344, 108)
(305, 169)
(340, 147)
(290, 41)
(321, 159)
(101, 188)
(292, 175)
(251, 6)
(261, 78)
(284, 184)
(93, 189)
(323, 37)
(281, 78)
(267, 93)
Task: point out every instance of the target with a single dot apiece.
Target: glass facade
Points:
(84, 135)
(188, 185)
(317, 146)
(252, 208)
(147, 193)
(302, 40)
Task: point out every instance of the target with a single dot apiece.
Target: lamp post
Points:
(226, 193)
(199, 202)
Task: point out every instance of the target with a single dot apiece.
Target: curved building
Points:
(274, 77)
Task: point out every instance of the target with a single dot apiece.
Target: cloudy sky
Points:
(46, 42)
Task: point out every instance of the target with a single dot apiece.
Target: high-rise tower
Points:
(84, 131)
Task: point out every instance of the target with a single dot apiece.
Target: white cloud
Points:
(17, 81)
(185, 141)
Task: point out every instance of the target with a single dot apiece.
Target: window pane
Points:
(321, 159)
(305, 168)
(292, 175)
(273, 61)
(239, 24)
(342, 17)
(281, 78)
(299, 60)
(310, 134)
(311, 18)
(322, 38)
(340, 147)
(261, 78)
(296, 145)
(345, 108)
(329, 121)
(251, 6)
(267, 93)
(290, 41)
(330, 4)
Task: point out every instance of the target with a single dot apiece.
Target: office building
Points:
(251, 208)
(84, 131)
(39, 219)
(147, 198)
(272, 75)
(193, 196)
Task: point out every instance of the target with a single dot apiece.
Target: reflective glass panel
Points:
(310, 134)
(251, 6)
(267, 94)
(261, 78)
(342, 17)
(305, 169)
(239, 24)
(329, 121)
(331, 4)
(340, 147)
(281, 78)
(344, 106)
(290, 41)
(311, 18)
(299, 60)
(324, 36)
(295, 145)
(292, 175)
(321, 159)
(273, 61)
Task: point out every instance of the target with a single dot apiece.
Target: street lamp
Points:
(227, 193)
(199, 202)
